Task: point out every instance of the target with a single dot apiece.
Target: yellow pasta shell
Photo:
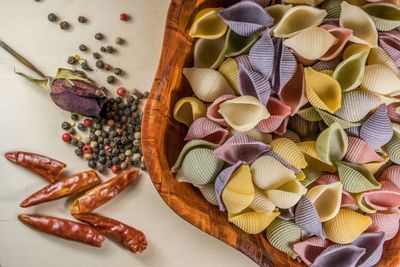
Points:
(238, 193)
(189, 109)
(355, 49)
(322, 90)
(304, 2)
(208, 25)
(287, 195)
(378, 56)
(309, 149)
(362, 205)
(289, 151)
(346, 227)
(326, 199)
(380, 79)
(230, 70)
(253, 222)
(373, 167)
(261, 203)
(277, 12)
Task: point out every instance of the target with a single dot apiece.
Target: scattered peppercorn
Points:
(121, 91)
(118, 71)
(124, 17)
(119, 41)
(98, 36)
(64, 25)
(72, 60)
(100, 64)
(72, 131)
(114, 169)
(79, 152)
(111, 79)
(65, 125)
(74, 117)
(66, 137)
(86, 67)
(108, 67)
(87, 122)
(103, 49)
(83, 47)
(52, 17)
(82, 19)
(96, 55)
(110, 49)
(81, 127)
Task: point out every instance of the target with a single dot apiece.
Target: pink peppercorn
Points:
(66, 137)
(115, 168)
(121, 91)
(87, 149)
(87, 122)
(110, 122)
(107, 148)
(124, 17)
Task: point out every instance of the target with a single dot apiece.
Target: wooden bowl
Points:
(162, 140)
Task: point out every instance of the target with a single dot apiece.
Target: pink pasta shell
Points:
(385, 198)
(206, 129)
(278, 112)
(293, 93)
(360, 152)
(385, 222)
(391, 174)
(212, 110)
(310, 249)
(342, 35)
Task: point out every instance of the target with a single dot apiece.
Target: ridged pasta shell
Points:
(241, 147)
(355, 178)
(293, 93)
(380, 79)
(332, 7)
(287, 195)
(310, 176)
(221, 181)
(292, 136)
(238, 193)
(373, 245)
(278, 112)
(391, 44)
(385, 198)
(297, 19)
(306, 217)
(287, 214)
(364, 102)
(206, 129)
(355, 48)
(359, 152)
(253, 133)
(342, 35)
(339, 255)
(309, 114)
(326, 65)
(208, 25)
(377, 55)
(394, 115)
(253, 83)
(309, 249)
(262, 3)
(329, 119)
(246, 18)
(262, 55)
(207, 84)
(212, 110)
(364, 207)
(277, 12)
(268, 173)
(350, 72)
(272, 154)
(348, 200)
(209, 53)
(230, 70)
(311, 43)
(391, 174)
(332, 144)
(385, 222)
(318, 196)
(253, 222)
(304, 2)
(237, 45)
(346, 227)
(244, 60)
(188, 109)
(356, 19)
(189, 146)
(377, 167)
(199, 167)
(302, 127)
(353, 131)
(208, 192)
(385, 16)
(327, 179)
(261, 203)
(377, 129)
(309, 149)
(243, 113)
(282, 235)
(322, 90)
(289, 151)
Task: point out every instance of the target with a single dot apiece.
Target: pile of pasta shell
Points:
(294, 124)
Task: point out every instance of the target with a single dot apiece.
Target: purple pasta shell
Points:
(339, 256)
(263, 3)
(391, 44)
(255, 84)
(244, 60)
(306, 217)
(262, 55)
(373, 245)
(272, 154)
(286, 214)
(206, 129)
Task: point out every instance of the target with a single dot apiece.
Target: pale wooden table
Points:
(29, 121)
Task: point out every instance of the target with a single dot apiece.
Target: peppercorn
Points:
(74, 117)
(72, 60)
(111, 79)
(137, 135)
(86, 67)
(136, 162)
(115, 160)
(66, 137)
(98, 36)
(108, 67)
(83, 47)
(101, 169)
(119, 41)
(136, 143)
(52, 17)
(82, 19)
(107, 148)
(93, 144)
(124, 165)
(114, 168)
(118, 71)
(124, 17)
(92, 164)
(100, 64)
(103, 49)
(80, 144)
(78, 152)
(133, 108)
(96, 55)
(81, 127)
(72, 131)
(121, 156)
(118, 100)
(110, 49)
(87, 122)
(146, 94)
(65, 125)
(64, 25)
(74, 142)
(87, 149)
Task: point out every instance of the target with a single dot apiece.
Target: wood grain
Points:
(162, 140)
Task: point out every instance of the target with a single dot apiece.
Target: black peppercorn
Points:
(111, 79)
(64, 25)
(72, 131)
(146, 94)
(108, 164)
(83, 47)
(74, 117)
(110, 49)
(115, 160)
(118, 71)
(78, 152)
(133, 108)
(92, 164)
(86, 67)
(100, 64)
(101, 169)
(99, 36)
(65, 125)
(96, 55)
(103, 49)
(72, 60)
(80, 144)
(52, 17)
(82, 19)
(74, 142)
(118, 99)
(119, 41)
(81, 127)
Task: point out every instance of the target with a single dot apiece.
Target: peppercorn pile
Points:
(113, 141)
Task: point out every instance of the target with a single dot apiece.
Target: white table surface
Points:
(29, 121)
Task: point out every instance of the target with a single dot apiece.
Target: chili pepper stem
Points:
(22, 59)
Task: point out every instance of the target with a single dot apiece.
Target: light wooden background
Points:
(29, 121)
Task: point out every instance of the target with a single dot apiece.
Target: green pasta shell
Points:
(209, 53)
(282, 235)
(332, 143)
(309, 114)
(329, 119)
(355, 178)
(236, 44)
(332, 7)
(385, 16)
(311, 176)
(393, 148)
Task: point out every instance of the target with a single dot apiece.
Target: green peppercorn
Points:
(74, 117)
(64, 25)
(82, 19)
(100, 64)
(118, 71)
(96, 55)
(72, 131)
(99, 36)
(83, 47)
(111, 79)
(65, 125)
(52, 17)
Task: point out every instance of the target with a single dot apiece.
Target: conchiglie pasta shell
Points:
(310, 248)
(262, 203)
(310, 176)
(377, 167)
(364, 101)
(385, 198)
(309, 149)
(350, 72)
(339, 255)
(387, 223)
(282, 235)
(289, 151)
(322, 90)
(253, 222)
(311, 43)
(355, 48)
(189, 109)
(208, 25)
(326, 199)
(304, 2)
(309, 114)
(293, 93)
(207, 84)
(332, 7)
(278, 113)
(297, 19)
(209, 53)
(255, 134)
(287, 195)
(355, 178)
(342, 35)
(359, 152)
(362, 205)
(329, 119)
(393, 149)
(238, 193)
(206, 129)
(268, 173)
(277, 12)
(380, 79)
(301, 127)
(354, 18)
(332, 144)
(306, 216)
(347, 226)
(236, 44)
(212, 110)
(230, 70)
(385, 16)
(391, 174)
(208, 192)
(378, 56)
(243, 113)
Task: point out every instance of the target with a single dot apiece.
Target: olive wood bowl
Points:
(162, 141)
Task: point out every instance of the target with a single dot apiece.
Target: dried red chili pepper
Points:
(44, 166)
(67, 186)
(64, 228)
(104, 192)
(129, 237)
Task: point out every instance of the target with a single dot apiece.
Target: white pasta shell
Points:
(311, 43)
(252, 222)
(380, 79)
(243, 113)
(208, 192)
(230, 70)
(318, 195)
(287, 195)
(356, 19)
(297, 19)
(268, 173)
(262, 203)
(289, 151)
(207, 84)
(364, 102)
(209, 53)
(378, 56)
